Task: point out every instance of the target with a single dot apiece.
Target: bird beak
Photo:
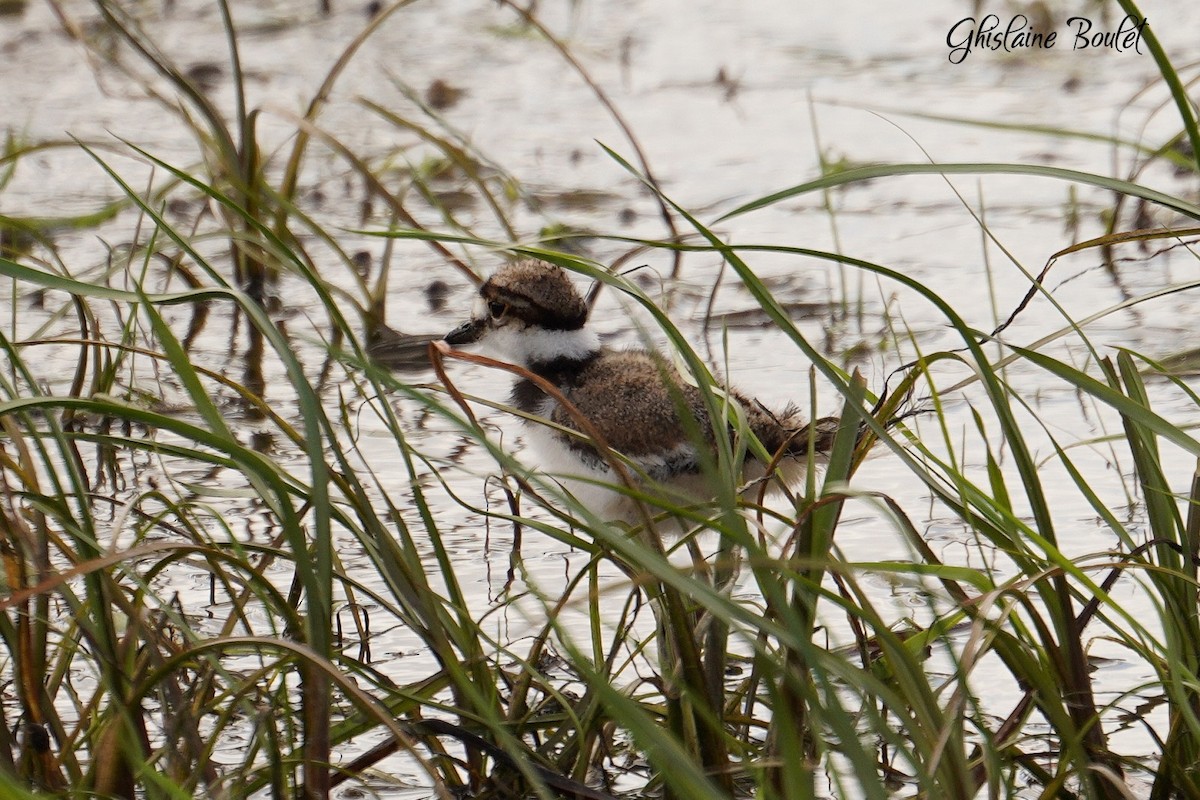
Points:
(468, 332)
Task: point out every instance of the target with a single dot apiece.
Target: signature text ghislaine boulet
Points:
(969, 34)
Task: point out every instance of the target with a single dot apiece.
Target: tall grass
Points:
(745, 656)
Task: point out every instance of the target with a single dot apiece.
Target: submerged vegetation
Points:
(205, 545)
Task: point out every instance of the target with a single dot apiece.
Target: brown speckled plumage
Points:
(540, 292)
(636, 402)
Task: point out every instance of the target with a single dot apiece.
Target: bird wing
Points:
(637, 405)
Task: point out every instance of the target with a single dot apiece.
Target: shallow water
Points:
(729, 102)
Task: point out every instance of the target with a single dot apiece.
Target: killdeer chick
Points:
(531, 315)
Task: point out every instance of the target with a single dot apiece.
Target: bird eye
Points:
(497, 309)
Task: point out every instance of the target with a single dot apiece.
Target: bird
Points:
(530, 314)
